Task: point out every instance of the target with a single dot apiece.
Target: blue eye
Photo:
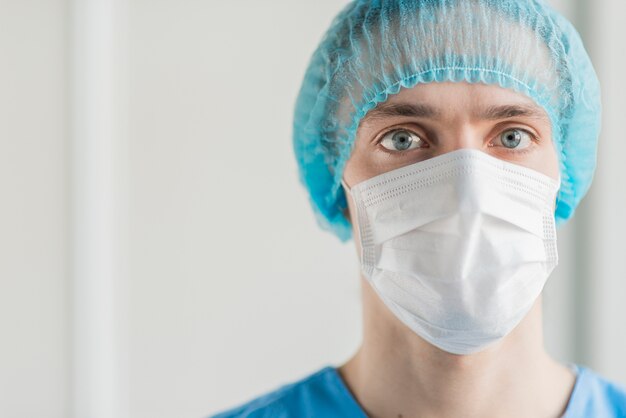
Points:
(400, 140)
(512, 138)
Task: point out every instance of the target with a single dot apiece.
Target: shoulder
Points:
(595, 395)
(316, 394)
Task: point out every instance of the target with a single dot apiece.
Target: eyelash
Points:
(533, 138)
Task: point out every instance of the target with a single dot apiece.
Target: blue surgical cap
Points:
(374, 48)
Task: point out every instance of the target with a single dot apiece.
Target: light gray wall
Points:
(606, 226)
(34, 283)
(247, 293)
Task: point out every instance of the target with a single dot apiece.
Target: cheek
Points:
(365, 162)
(548, 154)
(554, 173)
(542, 158)
(546, 160)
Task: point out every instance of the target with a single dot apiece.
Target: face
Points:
(435, 118)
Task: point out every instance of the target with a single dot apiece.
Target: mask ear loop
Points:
(343, 183)
(358, 228)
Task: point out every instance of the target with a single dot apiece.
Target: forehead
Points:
(460, 90)
(450, 99)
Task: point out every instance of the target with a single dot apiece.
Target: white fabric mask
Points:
(458, 246)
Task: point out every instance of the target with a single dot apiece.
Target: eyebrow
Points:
(402, 109)
(425, 111)
(509, 111)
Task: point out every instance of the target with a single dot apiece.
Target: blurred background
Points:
(159, 257)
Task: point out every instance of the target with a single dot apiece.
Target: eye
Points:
(512, 138)
(400, 140)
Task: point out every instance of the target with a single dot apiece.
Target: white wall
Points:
(159, 255)
(606, 281)
(246, 293)
(34, 219)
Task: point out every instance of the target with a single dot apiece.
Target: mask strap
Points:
(344, 184)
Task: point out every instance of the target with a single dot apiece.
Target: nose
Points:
(460, 138)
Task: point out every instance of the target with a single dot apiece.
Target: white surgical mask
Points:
(458, 246)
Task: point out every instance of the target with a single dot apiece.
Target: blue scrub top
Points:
(324, 394)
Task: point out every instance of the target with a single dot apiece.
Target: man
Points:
(449, 138)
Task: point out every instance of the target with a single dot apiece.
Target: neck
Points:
(395, 373)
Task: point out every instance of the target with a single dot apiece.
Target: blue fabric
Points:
(373, 48)
(324, 394)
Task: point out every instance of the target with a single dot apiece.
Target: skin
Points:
(396, 373)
